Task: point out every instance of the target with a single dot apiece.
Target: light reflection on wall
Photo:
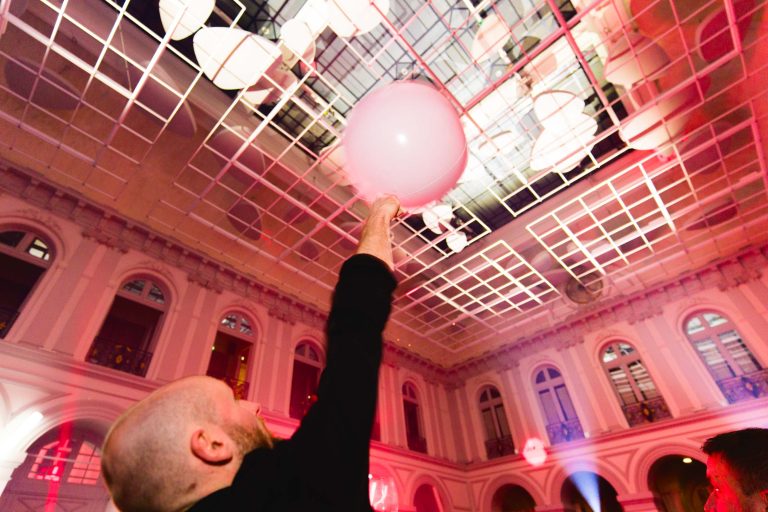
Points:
(382, 493)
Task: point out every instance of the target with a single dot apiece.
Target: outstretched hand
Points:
(375, 238)
(387, 206)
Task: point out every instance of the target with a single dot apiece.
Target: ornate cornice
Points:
(109, 228)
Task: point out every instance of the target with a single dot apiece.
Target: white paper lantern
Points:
(195, 13)
(297, 37)
(568, 131)
(232, 58)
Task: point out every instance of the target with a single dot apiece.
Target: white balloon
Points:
(296, 36)
(196, 12)
(457, 241)
(233, 58)
(350, 18)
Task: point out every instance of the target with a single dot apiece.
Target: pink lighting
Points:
(534, 452)
(405, 139)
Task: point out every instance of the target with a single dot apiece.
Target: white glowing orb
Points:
(232, 58)
(195, 12)
(534, 452)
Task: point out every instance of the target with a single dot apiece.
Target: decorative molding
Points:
(109, 228)
(734, 271)
(40, 217)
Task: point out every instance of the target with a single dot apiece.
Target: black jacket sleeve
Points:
(324, 466)
(331, 445)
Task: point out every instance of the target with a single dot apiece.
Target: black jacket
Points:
(324, 465)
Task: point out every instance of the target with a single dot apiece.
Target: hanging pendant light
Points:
(233, 58)
(195, 13)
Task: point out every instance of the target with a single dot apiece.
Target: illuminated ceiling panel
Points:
(613, 144)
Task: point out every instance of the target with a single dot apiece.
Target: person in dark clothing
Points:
(191, 446)
(737, 469)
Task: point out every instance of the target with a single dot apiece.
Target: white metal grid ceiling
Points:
(658, 168)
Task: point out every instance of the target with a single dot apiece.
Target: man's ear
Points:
(211, 445)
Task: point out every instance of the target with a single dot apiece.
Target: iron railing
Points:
(647, 411)
(745, 387)
(499, 447)
(118, 355)
(569, 430)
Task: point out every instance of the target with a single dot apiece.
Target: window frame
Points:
(713, 334)
(491, 404)
(623, 361)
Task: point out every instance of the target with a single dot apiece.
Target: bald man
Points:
(191, 446)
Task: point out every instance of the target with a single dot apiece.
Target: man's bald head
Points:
(182, 442)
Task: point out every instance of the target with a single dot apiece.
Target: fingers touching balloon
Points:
(405, 139)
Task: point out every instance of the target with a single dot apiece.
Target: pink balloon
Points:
(405, 139)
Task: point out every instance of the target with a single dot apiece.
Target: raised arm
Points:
(375, 239)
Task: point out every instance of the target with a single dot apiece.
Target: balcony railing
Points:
(417, 444)
(7, 317)
(745, 387)
(569, 430)
(117, 355)
(647, 411)
(499, 447)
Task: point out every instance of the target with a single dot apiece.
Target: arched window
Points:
(67, 459)
(126, 339)
(24, 258)
(413, 428)
(640, 400)
(498, 439)
(728, 359)
(230, 353)
(562, 423)
(307, 367)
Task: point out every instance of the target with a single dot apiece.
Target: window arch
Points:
(24, 258)
(728, 358)
(562, 422)
(498, 439)
(67, 457)
(231, 352)
(127, 336)
(413, 424)
(307, 367)
(640, 400)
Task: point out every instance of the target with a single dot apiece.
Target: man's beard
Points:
(249, 439)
